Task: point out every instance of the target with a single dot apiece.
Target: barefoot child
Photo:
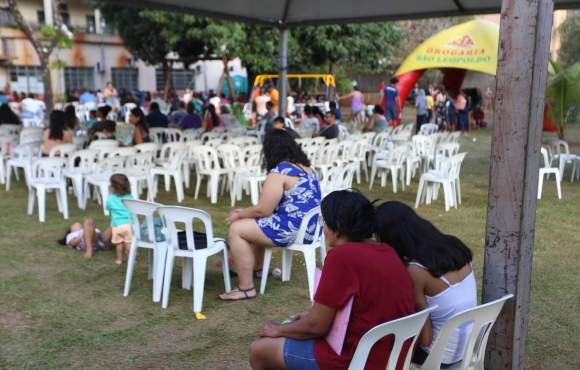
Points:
(85, 237)
(120, 216)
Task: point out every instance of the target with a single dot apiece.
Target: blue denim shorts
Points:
(299, 354)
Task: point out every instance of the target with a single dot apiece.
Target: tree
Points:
(366, 46)
(563, 95)
(153, 35)
(44, 40)
(568, 31)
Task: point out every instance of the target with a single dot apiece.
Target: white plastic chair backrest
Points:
(189, 145)
(206, 158)
(31, 134)
(104, 144)
(482, 319)
(442, 137)
(447, 149)
(110, 164)
(140, 161)
(342, 132)
(559, 147)
(214, 143)
(7, 142)
(547, 161)
(170, 150)
(327, 154)
(369, 137)
(397, 130)
(400, 154)
(26, 151)
(173, 135)
(424, 145)
(408, 127)
(402, 329)
(174, 217)
(146, 147)
(454, 137)
(62, 150)
(142, 209)
(123, 152)
(190, 134)
(209, 135)
(47, 169)
(231, 156)
(320, 140)
(252, 155)
(85, 159)
(456, 162)
(156, 134)
(301, 235)
(340, 178)
(428, 129)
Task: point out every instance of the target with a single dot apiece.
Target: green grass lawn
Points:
(58, 311)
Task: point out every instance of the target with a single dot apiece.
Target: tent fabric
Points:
(290, 13)
(471, 45)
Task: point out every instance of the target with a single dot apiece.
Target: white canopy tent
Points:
(521, 80)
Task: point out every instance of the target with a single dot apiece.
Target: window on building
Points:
(6, 18)
(182, 79)
(40, 18)
(27, 79)
(78, 78)
(64, 14)
(91, 24)
(125, 78)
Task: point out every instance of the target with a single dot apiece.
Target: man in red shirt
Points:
(370, 272)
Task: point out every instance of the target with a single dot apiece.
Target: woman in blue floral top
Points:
(291, 190)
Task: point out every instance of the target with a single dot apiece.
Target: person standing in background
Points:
(110, 95)
(462, 111)
(430, 106)
(421, 105)
(392, 101)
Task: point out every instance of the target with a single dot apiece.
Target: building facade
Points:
(97, 56)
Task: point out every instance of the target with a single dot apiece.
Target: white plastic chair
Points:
(81, 164)
(29, 135)
(403, 329)
(46, 174)
(172, 169)
(137, 169)
(10, 129)
(141, 210)
(191, 134)
(104, 144)
(482, 319)
(122, 152)
(207, 164)
(251, 175)
(173, 135)
(339, 178)
(390, 162)
(448, 177)
(174, 218)
(547, 170)
(300, 245)
(428, 129)
(561, 151)
(21, 157)
(100, 179)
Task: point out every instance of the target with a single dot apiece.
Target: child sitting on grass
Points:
(85, 237)
(120, 216)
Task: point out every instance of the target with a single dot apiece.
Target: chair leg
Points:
(286, 264)
(31, 200)
(186, 273)
(559, 186)
(41, 195)
(104, 190)
(540, 185)
(394, 177)
(373, 174)
(265, 269)
(130, 268)
(179, 187)
(197, 185)
(167, 180)
(199, 268)
(310, 260)
(254, 192)
(64, 201)
(160, 257)
(8, 177)
(214, 183)
(322, 249)
(419, 193)
(226, 270)
(170, 260)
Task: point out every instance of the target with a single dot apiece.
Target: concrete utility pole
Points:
(283, 71)
(524, 49)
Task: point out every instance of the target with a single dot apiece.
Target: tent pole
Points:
(524, 48)
(283, 71)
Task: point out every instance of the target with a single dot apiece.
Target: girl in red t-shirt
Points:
(370, 272)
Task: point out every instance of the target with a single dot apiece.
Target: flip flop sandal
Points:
(245, 297)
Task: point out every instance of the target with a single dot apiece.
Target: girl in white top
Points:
(440, 266)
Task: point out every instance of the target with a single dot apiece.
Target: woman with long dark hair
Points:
(72, 121)
(358, 270)
(440, 266)
(57, 132)
(291, 190)
(141, 132)
(8, 116)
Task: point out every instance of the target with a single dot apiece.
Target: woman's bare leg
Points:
(267, 353)
(246, 241)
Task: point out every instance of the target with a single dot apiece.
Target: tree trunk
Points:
(229, 80)
(168, 80)
(47, 82)
(561, 131)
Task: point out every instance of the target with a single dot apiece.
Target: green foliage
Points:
(569, 31)
(57, 64)
(366, 46)
(563, 94)
(50, 33)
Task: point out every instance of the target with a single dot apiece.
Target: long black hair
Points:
(350, 214)
(137, 112)
(416, 239)
(8, 116)
(57, 124)
(72, 121)
(279, 146)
